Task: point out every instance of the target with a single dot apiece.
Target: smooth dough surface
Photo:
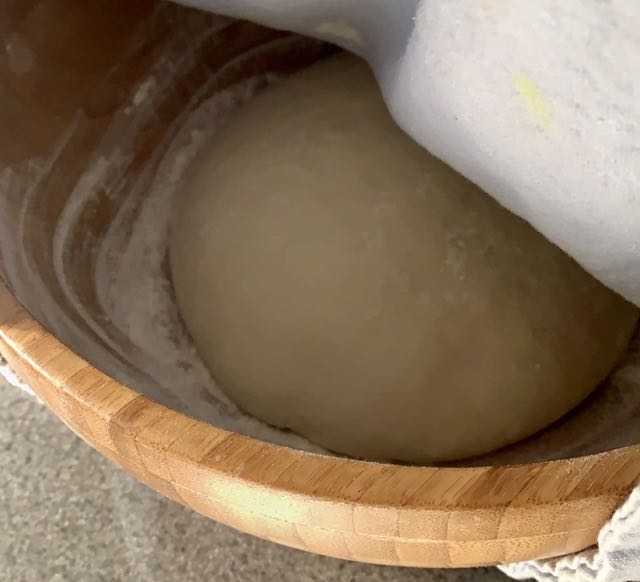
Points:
(343, 283)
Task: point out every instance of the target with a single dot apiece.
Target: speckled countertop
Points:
(69, 515)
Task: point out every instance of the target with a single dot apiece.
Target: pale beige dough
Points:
(343, 283)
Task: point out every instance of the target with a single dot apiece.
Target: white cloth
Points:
(8, 374)
(615, 559)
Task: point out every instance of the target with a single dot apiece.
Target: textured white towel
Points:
(615, 559)
(10, 377)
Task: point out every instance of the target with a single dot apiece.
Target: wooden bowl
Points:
(67, 71)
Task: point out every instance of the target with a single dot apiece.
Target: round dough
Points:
(343, 283)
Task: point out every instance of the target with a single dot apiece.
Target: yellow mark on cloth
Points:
(533, 99)
(491, 5)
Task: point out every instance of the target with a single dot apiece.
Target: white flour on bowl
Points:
(134, 289)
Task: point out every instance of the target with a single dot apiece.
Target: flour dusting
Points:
(134, 288)
(20, 56)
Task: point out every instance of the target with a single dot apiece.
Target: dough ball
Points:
(343, 283)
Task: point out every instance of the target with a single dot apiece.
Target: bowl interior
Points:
(88, 131)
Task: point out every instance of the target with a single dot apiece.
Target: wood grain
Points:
(372, 512)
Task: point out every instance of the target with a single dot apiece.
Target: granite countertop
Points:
(69, 514)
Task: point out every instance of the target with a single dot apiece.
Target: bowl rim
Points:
(562, 503)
